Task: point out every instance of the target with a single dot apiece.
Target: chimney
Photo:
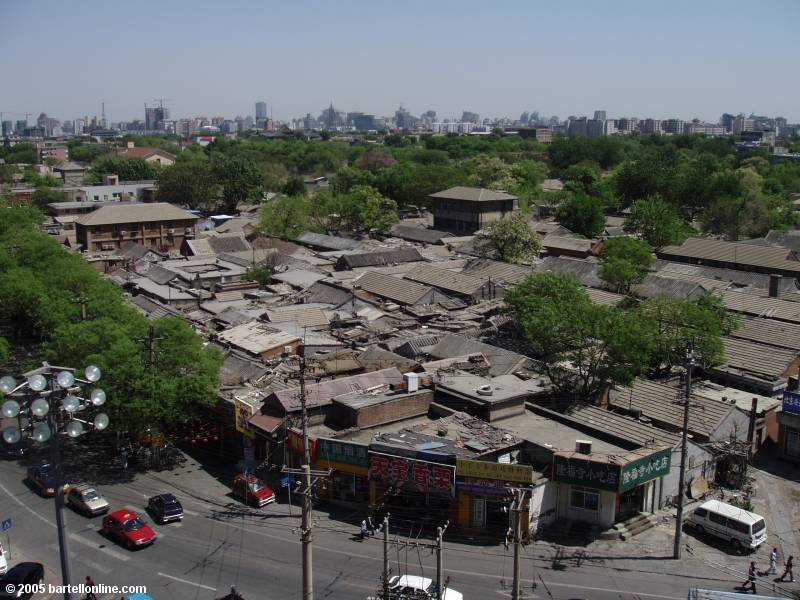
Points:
(774, 285)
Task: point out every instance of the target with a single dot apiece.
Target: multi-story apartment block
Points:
(159, 225)
(651, 126)
(465, 210)
(674, 126)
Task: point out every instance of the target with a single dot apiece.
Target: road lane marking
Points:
(105, 550)
(88, 562)
(186, 581)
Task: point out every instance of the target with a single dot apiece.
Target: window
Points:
(584, 498)
(792, 445)
(759, 526)
(716, 518)
(701, 512)
(739, 526)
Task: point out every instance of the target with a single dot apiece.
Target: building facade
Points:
(465, 210)
(159, 225)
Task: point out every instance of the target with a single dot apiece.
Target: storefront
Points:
(789, 426)
(348, 464)
(606, 489)
(485, 491)
(411, 484)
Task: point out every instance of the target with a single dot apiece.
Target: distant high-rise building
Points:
(741, 123)
(20, 126)
(8, 128)
(599, 115)
(577, 126)
(726, 120)
(154, 117)
(594, 127)
(652, 126)
(524, 117)
(470, 117)
(428, 117)
(609, 127)
(626, 125)
(673, 126)
(404, 119)
(261, 110)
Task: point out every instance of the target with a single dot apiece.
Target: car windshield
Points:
(90, 495)
(255, 486)
(132, 525)
(758, 526)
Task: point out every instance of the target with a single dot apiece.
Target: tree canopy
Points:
(509, 240)
(582, 215)
(625, 262)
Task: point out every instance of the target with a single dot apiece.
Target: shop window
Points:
(584, 498)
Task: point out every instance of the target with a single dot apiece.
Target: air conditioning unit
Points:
(583, 446)
(122, 233)
(170, 231)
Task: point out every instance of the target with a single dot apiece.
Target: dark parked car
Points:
(43, 479)
(25, 573)
(165, 508)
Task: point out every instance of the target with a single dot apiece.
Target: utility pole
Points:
(306, 473)
(386, 557)
(516, 509)
(676, 552)
(150, 342)
(439, 570)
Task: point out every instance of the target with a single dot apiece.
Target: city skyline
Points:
(565, 60)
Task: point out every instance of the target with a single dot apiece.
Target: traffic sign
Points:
(285, 482)
(6, 524)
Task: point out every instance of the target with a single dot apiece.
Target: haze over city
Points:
(686, 60)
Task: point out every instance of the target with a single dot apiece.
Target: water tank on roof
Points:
(412, 381)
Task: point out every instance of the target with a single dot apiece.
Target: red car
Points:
(128, 529)
(252, 490)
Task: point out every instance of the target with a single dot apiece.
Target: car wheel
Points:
(700, 529)
(737, 544)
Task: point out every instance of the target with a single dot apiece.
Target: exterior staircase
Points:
(635, 525)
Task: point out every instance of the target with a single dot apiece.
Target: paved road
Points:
(221, 542)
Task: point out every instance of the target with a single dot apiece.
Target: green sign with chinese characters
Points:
(336, 451)
(602, 475)
(644, 469)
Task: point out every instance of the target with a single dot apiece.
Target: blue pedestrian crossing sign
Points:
(6, 524)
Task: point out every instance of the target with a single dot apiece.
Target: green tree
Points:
(510, 240)
(364, 208)
(44, 195)
(658, 223)
(581, 214)
(583, 347)
(625, 262)
(347, 178)
(273, 176)
(582, 176)
(239, 179)
(702, 321)
(375, 160)
(295, 186)
(7, 173)
(128, 169)
(188, 183)
(285, 217)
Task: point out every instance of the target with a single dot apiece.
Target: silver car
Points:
(87, 500)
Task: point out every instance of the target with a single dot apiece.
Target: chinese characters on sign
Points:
(791, 402)
(414, 474)
(647, 468)
(612, 477)
(346, 453)
(243, 413)
(601, 476)
(494, 487)
(482, 469)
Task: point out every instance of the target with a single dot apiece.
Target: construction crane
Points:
(161, 101)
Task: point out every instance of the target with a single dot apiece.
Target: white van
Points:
(742, 528)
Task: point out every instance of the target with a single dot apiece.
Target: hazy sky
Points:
(641, 58)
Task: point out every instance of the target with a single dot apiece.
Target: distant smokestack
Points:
(774, 285)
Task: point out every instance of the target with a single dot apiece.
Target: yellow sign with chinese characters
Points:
(243, 413)
(481, 469)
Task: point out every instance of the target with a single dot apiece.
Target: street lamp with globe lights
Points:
(47, 402)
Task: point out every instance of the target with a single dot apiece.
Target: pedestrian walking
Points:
(773, 562)
(364, 531)
(751, 578)
(90, 589)
(123, 457)
(370, 526)
(787, 570)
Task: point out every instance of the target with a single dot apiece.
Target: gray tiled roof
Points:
(585, 271)
(472, 194)
(419, 234)
(620, 425)
(382, 258)
(392, 288)
(747, 358)
(501, 272)
(733, 253)
(501, 361)
(769, 332)
(328, 242)
(228, 243)
(135, 213)
(654, 285)
(703, 274)
(760, 306)
(446, 280)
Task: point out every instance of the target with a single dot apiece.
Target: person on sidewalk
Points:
(751, 578)
(90, 588)
(787, 570)
(364, 530)
(773, 562)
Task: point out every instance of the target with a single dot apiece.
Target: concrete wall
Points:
(542, 508)
(603, 517)
(393, 409)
